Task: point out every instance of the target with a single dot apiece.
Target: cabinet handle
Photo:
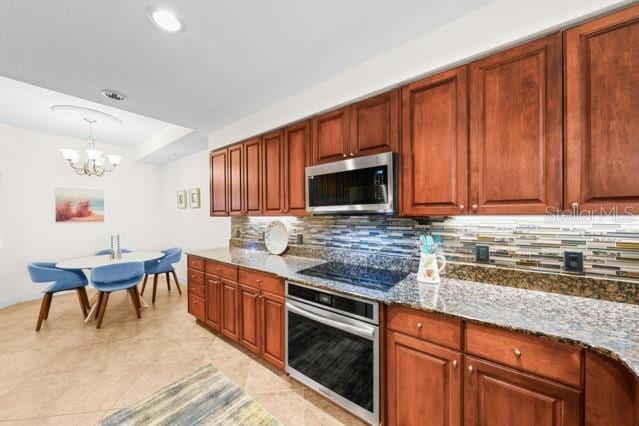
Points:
(517, 353)
(575, 206)
(461, 207)
(419, 325)
(474, 207)
(258, 281)
(218, 269)
(454, 363)
(471, 368)
(344, 155)
(352, 154)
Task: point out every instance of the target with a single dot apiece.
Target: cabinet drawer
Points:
(221, 270)
(262, 281)
(425, 325)
(197, 289)
(545, 358)
(195, 263)
(196, 306)
(196, 277)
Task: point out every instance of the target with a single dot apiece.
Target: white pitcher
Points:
(429, 268)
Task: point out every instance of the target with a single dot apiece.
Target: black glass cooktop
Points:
(364, 276)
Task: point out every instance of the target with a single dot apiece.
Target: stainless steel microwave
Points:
(357, 185)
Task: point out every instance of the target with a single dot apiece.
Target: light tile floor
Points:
(69, 373)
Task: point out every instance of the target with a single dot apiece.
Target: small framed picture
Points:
(194, 198)
(181, 199)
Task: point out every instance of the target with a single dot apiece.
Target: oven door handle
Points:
(367, 333)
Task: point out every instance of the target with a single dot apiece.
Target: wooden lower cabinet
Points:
(501, 396)
(213, 302)
(272, 317)
(196, 306)
(423, 382)
(229, 319)
(261, 310)
(249, 307)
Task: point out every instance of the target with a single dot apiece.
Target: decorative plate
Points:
(276, 237)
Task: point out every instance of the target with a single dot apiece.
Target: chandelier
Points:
(90, 162)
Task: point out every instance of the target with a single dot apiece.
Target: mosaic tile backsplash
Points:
(532, 243)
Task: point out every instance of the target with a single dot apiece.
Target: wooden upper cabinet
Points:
(330, 134)
(434, 149)
(516, 129)
(423, 382)
(500, 396)
(374, 125)
(602, 113)
(297, 155)
(236, 179)
(218, 163)
(253, 176)
(273, 173)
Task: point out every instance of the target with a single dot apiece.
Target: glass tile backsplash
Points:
(610, 245)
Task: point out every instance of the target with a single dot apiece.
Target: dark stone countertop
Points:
(607, 327)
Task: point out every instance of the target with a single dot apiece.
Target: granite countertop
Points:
(607, 327)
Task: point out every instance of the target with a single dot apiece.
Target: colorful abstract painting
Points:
(79, 205)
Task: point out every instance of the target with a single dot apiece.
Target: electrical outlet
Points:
(299, 238)
(573, 261)
(238, 233)
(482, 253)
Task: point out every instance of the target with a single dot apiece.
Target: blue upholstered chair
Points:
(107, 251)
(163, 266)
(118, 276)
(61, 280)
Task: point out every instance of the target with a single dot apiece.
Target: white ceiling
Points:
(235, 57)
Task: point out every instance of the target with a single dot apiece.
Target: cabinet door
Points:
(500, 396)
(273, 166)
(297, 155)
(272, 318)
(424, 382)
(218, 162)
(229, 318)
(249, 301)
(253, 176)
(236, 179)
(435, 145)
(602, 114)
(213, 302)
(515, 129)
(331, 136)
(375, 124)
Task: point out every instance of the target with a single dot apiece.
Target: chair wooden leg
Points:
(168, 281)
(103, 305)
(177, 283)
(137, 298)
(155, 287)
(146, 277)
(98, 304)
(134, 300)
(83, 305)
(46, 312)
(85, 297)
(44, 307)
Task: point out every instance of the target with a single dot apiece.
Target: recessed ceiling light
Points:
(164, 19)
(114, 95)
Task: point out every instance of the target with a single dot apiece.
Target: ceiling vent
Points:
(114, 95)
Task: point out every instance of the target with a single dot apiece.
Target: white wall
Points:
(31, 168)
(492, 27)
(191, 229)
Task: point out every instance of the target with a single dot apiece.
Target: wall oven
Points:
(357, 185)
(332, 346)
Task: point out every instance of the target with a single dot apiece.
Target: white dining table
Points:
(90, 262)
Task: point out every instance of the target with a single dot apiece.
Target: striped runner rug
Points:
(205, 397)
